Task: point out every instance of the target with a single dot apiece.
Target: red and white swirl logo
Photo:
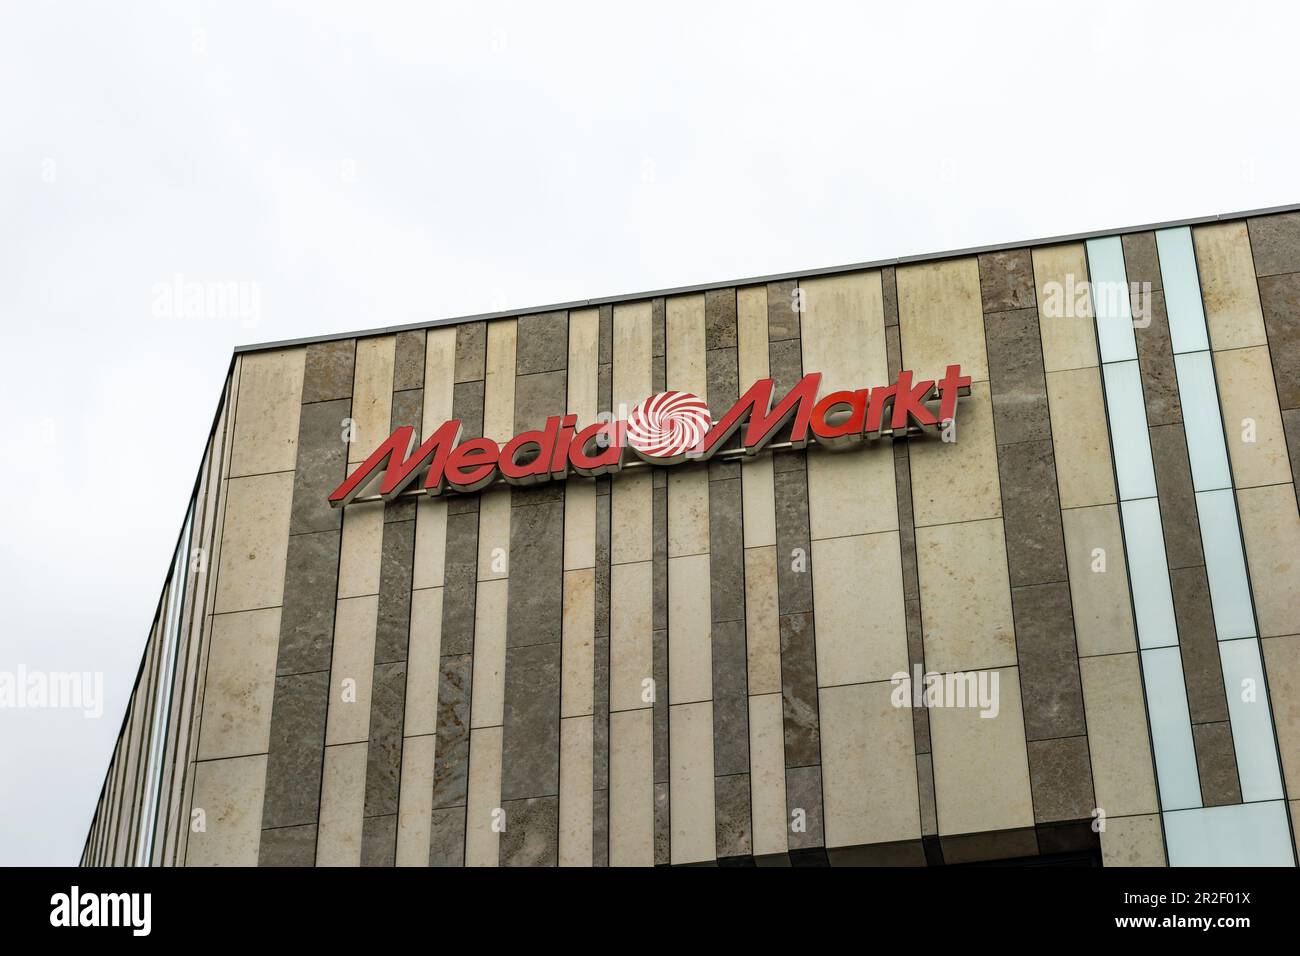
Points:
(667, 426)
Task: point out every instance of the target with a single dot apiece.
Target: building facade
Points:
(1063, 625)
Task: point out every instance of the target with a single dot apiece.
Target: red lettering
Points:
(608, 455)
(473, 465)
(763, 420)
(845, 429)
(437, 448)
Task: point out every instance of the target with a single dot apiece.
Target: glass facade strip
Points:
(1201, 421)
(1110, 300)
(1171, 729)
(1247, 834)
(1182, 287)
(1225, 565)
(1252, 725)
(1128, 430)
(1153, 600)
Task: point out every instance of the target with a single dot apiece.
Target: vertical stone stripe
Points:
(578, 630)
(530, 768)
(301, 693)
(1275, 249)
(1055, 727)
(733, 814)
(447, 821)
(980, 764)
(762, 611)
(341, 826)
(803, 762)
(631, 613)
(853, 520)
(415, 800)
(392, 627)
(659, 577)
(690, 665)
(600, 727)
(484, 818)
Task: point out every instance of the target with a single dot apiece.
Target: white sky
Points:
(372, 164)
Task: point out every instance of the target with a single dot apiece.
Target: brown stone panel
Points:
(1182, 528)
(1280, 298)
(889, 295)
(1141, 259)
(471, 351)
(1016, 378)
(1275, 243)
(1060, 775)
(1216, 763)
(328, 372)
(542, 344)
(1198, 643)
(1156, 359)
(1006, 280)
(408, 360)
(1049, 669)
(1031, 513)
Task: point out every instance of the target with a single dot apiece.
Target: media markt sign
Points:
(664, 429)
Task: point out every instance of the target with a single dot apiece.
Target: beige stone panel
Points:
(1133, 841)
(1271, 527)
(430, 543)
(958, 480)
(981, 768)
(965, 596)
(362, 545)
(1122, 776)
(858, 599)
(632, 379)
(1250, 411)
(1282, 662)
(422, 671)
(499, 381)
(494, 534)
(240, 684)
(751, 335)
(487, 698)
(842, 330)
(1081, 440)
(868, 766)
(631, 510)
(576, 781)
(762, 622)
(579, 524)
(767, 773)
(255, 542)
(758, 498)
(230, 793)
(583, 380)
(352, 670)
(684, 338)
(578, 636)
(631, 625)
(416, 801)
(266, 416)
(631, 788)
(342, 805)
(372, 395)
(1228, 288)
(690, 747)
(439, 377)
(688, 510)
(851, 491)
(483, 803)
(1065, 315)
(690, 648)
(941, 319)
(1103, 615)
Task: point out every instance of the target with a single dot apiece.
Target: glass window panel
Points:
(1247, 834)
(1225, 564)
(1171, 729)
(1182, 290)
(1252, 725)
(1201, 421)
(1148, 573)
(1128, 430)
(1110, 300)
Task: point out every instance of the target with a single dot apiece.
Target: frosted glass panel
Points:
(1249, 834)
(1128, 430)
(1149, 574)
(1225, 565)
(1171, 729)
(1182, 290)
(1201, 421)
(1252, 728)
(1110, 301)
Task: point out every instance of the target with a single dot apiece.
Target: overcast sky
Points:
(370, 164)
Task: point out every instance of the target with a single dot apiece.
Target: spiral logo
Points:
(668, 425)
